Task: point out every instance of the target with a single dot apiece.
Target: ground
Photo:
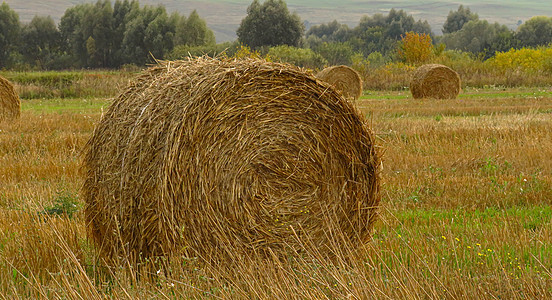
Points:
(466, 208)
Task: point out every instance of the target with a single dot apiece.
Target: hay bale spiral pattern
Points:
(344, 79)
(435, 81)
(209, 156)
(10, 105)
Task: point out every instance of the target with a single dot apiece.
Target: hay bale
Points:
(344, 79)
(435, 81)
(216, 156)
(10, 105)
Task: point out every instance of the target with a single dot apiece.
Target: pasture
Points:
(466, 209)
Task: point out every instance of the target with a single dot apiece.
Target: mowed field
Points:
(466, 209)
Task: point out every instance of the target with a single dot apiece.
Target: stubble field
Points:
(466, 209)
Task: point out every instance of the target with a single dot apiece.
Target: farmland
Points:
(466, 212)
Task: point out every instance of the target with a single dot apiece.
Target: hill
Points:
(224, 16)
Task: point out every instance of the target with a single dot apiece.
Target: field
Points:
(466, 209)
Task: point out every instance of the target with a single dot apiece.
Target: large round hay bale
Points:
(344, 79)
(10, 105)
(216, 156)
(435, 81)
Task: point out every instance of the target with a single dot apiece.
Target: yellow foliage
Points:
(525, 60)
(416, 48)
(246, 52)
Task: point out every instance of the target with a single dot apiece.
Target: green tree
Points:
(479, 37)
(149, 31)
(336, 53)
(9, 31)
(537, 31)
(381, 33)
(331, 32)
(193, 31)
(121, 10)
(456, 19)
(77, 26)
(40, 41)
(99, 26)
(270, 24)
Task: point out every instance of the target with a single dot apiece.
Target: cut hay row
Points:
(213, 158)
(435, 81)
(10, 105)
(344, 79)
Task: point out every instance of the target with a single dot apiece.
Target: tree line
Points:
(103, 35)
(462, 30)
(100, 35)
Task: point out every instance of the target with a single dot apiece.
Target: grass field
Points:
(466, 209)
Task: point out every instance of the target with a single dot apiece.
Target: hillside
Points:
(224, 16)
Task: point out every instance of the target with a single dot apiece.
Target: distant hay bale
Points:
(10, 105)
(212, 156)
(435, 81)
(344, 79)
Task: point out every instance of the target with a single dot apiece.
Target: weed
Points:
(64, 204)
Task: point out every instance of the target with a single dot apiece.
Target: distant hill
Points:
(224, 16)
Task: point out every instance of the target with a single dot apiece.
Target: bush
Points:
(183, 51)
(336, 53)
(298, 56)
(524, 60)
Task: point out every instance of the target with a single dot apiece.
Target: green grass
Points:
(489, 92)
(58, 105)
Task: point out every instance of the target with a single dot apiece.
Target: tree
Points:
(537, 31)
(149, 31)
(336, 53)
(76, 28)
(103, 34)
(331, 32)
(40, 41)
(270, 24)
(380, 33)
(479, 37)
(121, 10)
(456, 19)
(193, 31)
(9, 31)
(415, 48)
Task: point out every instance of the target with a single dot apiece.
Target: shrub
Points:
(298, 56)
(525, 60)
(336, 53)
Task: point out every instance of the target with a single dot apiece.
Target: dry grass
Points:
(466, 212)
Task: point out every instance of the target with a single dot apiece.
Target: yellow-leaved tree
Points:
(415, 48)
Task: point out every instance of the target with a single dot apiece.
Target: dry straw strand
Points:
(435, 81)
(216, 157)
(344, 79)
(10, 105)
